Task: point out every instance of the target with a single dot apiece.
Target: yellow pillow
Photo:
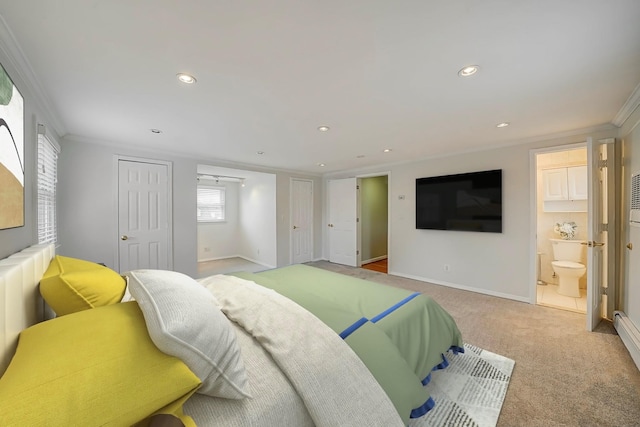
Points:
(71, 285)
(94, 367)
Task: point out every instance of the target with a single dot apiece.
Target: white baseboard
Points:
(238, 256)
(220, 257)
(462, 287)
(259, 262)
(629, 334)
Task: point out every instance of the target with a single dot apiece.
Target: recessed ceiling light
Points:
(323, 128)
(260, 152)
(502, 125)
(469, 70)
(386, 150)
(155, 130)
(186, 78)
(321, 165)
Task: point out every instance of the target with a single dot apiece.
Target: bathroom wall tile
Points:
(577, 157)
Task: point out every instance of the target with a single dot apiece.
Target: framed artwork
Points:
(11, 153)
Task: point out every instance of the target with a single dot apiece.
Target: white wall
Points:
(631, 271)
(258, 220)
(251, 228)
(424, 253)
(495, 264)
(86, 204)
(221, 239)
(87, 185)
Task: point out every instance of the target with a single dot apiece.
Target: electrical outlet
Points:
(447, 267)
(207, 249)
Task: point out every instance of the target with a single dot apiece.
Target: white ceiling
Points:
(381, 74)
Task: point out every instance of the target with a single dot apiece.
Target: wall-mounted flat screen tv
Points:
(465, 202)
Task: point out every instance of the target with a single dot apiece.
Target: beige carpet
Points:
(563, 375)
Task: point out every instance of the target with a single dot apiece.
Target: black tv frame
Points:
(469, 201)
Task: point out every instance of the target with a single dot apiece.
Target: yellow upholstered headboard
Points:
(20, 303)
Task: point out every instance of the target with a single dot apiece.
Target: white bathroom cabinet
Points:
(565, 189)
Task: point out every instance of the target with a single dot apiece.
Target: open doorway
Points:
(236, 220)
(561, 226)
(374, 220)
(566, 190)
(358, 219)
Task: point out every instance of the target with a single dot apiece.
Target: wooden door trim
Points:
(116, 162)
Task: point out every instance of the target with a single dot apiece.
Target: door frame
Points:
(359, 225)
(327, 195)
(533, 203)
(311, 225)
(116, 245)
(607, 302)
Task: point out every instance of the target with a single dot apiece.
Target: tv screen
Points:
(464, 202)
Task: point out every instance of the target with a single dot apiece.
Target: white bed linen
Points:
(274, 401)
(334, 387)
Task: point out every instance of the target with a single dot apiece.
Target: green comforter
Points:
(400, 335)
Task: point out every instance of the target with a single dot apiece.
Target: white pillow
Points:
(184, 321)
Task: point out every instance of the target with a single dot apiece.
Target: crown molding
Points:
(582, 132)
(127, 149)
(22, 67)
(628, 108)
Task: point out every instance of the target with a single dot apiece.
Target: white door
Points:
(343, 208)
(144, 223)
(301, 221)
(600, 242)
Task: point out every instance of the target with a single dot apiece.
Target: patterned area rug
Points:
(470, 391)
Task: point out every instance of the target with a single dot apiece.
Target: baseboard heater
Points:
(629, 334)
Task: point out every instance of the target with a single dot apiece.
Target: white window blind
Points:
(47, 181)
(211, 204)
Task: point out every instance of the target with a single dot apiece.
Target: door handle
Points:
(630, 246)
(124, 237)
(295, 226)
(330, 225)
(591, 243)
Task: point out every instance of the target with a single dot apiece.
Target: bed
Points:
(291, 346)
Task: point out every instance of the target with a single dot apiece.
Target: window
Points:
(47, 181)
(211, 207)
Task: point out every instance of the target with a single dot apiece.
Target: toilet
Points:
(567, 255)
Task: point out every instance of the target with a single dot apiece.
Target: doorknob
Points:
(630, 246)
(124, 237)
